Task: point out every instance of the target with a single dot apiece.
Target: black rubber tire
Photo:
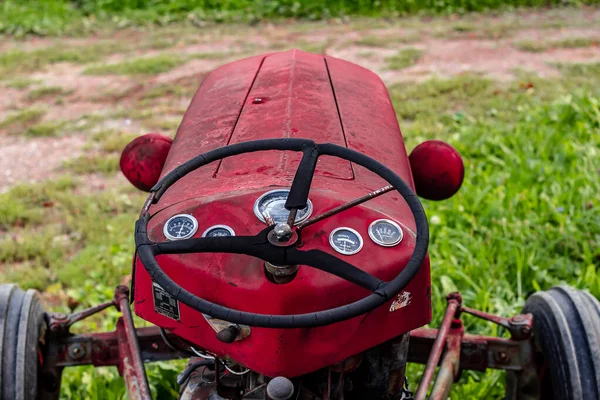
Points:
(566, 328)
(22, 325)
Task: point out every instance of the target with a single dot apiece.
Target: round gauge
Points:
(345, 240)
(218, 231)
(273, 203)
(385, 232)
(181, 226)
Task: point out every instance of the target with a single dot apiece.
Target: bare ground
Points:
(487, 45)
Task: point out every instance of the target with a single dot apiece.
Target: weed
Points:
(111, 141)
(568, 43)
(94, 163)
(50, 128)
(20, 61)
(532, 46)
(403, 59)
(138, 66)
(386, 40)
(19, 121)
(21, 83)
(47, 91)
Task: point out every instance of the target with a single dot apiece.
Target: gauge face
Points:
(273, 203)
(385, 232)
(345, 241)
(182, 226)
(218, 231)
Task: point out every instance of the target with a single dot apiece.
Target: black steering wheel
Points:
(263, 247)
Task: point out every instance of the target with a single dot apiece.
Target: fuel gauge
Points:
(385, 232)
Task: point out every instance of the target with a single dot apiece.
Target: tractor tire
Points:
(22, 326)
(566, 333)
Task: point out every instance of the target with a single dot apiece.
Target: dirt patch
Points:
(133, 106)
(30, 160)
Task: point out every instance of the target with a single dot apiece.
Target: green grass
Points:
(526, 218)
(47, 91)
(21, 83)
(16, 61)
(139, 66)
(50, 128)
(56, 17)
(538, 46)
(386, 40)
(403, 59)
(151, 65)
(19, 121)
(94, 163)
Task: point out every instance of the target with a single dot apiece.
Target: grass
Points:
(526, 218)
(386, 40)
(139, 66)
(18, 61)
(151, 65)
(403, 59)
(46, 129)
(56, 17)
(21, 120)
(20, 83)
(47, 91)
(536, 46)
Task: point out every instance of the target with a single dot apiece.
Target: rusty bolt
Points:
(455, 296)
(502, 357)
(154, 346)
(76, 351)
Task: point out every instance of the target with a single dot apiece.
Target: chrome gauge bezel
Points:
(227, 228)
(189, 235)
(259, 215)
(346, 253)
(380, 242)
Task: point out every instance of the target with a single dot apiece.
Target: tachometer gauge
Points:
(385, 232)
(273, 203)
(181, 226)
(218, 231)
(345, 241)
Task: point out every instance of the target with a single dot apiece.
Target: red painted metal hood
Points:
(285, 95)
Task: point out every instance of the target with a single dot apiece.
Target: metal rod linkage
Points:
(343, 207)
(454, 302)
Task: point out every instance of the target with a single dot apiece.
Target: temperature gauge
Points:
(345, 241)
(181, 226)
(385, 232)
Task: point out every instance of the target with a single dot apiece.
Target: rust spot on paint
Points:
(259, 100)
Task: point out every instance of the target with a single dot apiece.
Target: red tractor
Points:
(282, 249)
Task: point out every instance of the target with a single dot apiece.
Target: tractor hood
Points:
(292, 94)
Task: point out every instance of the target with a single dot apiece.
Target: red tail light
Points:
(143, 158)
(438, 170)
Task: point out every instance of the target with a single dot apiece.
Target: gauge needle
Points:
(379, 233)
(180, 230)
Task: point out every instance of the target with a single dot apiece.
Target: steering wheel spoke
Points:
(231, 244)
(331, 264)
(298, 196)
